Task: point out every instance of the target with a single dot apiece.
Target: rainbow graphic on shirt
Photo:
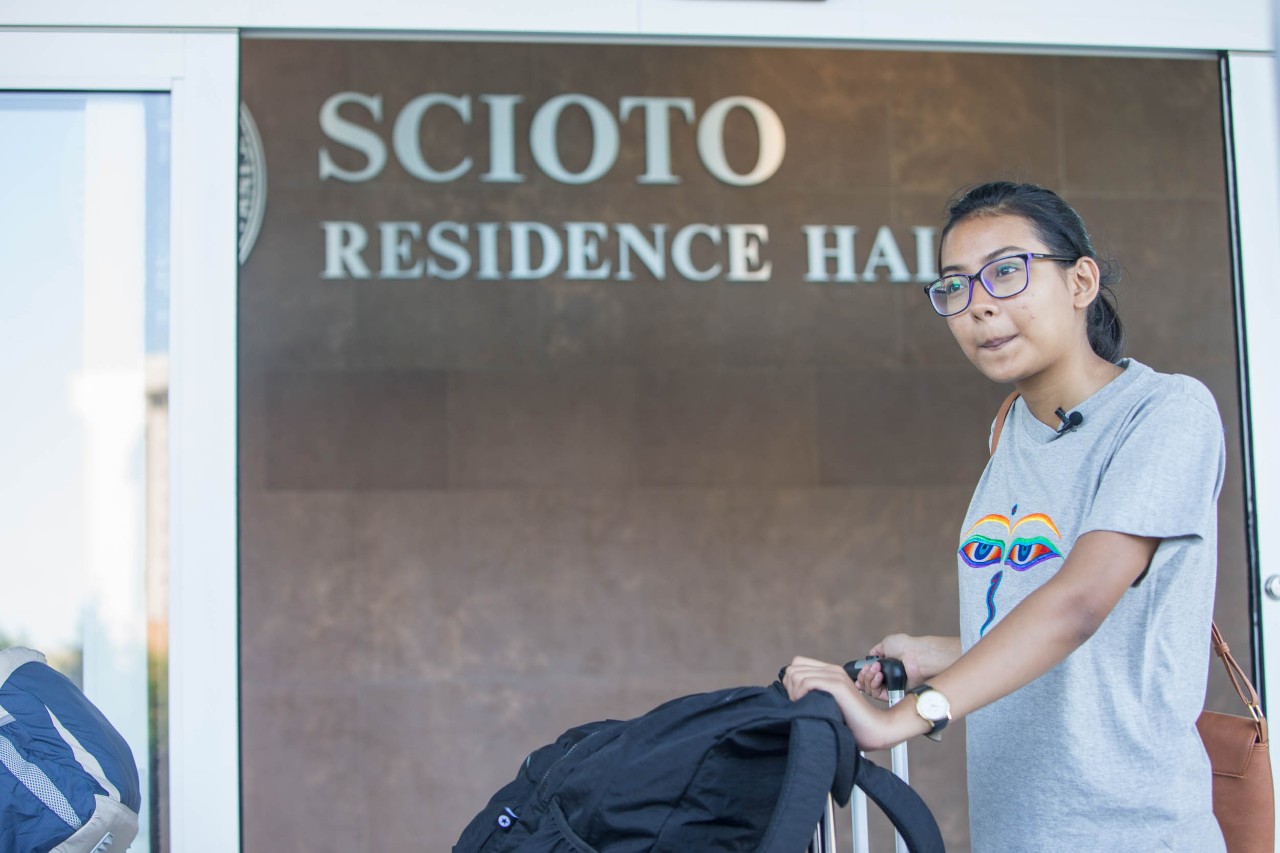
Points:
(994, 541)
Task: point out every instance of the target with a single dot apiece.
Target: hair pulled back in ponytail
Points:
(1062, 231)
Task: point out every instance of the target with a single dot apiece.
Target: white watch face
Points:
(932, 705)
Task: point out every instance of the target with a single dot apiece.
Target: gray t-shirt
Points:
(1100, 753)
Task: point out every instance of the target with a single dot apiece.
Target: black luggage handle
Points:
(895, 674)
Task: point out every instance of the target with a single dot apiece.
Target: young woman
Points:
(1087, 559)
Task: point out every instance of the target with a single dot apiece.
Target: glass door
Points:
(84, 283)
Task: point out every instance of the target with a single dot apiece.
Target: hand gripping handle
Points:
(895, 674)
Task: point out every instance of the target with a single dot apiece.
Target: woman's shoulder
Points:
(1172, 394)
(1167, 429)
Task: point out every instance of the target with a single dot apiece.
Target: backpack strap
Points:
(903, 806)
(1000, 418)
(821, 749)
(818, 751)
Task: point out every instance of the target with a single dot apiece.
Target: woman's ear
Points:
(1085, 279)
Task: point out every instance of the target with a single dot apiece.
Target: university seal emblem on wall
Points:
(252, 184)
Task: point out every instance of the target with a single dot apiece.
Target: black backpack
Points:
(734, 771)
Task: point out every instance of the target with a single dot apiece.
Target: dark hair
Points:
(1060, 228)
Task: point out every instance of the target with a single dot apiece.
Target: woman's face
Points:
(1013, 339)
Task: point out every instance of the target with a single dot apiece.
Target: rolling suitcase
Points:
(824, 835)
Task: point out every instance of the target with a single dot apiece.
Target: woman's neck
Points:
(1066, 385)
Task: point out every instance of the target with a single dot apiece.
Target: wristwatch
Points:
(933, 708)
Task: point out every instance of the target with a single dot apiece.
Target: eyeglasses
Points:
(1002, 278)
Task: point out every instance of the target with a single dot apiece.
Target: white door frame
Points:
(200, 71)
(1255, 149)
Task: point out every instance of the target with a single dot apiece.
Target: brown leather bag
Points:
(1243, 796)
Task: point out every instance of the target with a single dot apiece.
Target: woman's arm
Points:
(1050, 623)
(1033, 638)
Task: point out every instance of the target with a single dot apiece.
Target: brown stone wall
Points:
(476, 513)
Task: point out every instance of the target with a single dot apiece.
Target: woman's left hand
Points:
(873, 727)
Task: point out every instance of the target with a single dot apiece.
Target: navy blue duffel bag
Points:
(68, 782)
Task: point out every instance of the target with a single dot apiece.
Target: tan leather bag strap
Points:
(1244, 687)
(1000, 417)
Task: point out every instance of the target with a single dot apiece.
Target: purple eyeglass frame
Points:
(986, 285)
